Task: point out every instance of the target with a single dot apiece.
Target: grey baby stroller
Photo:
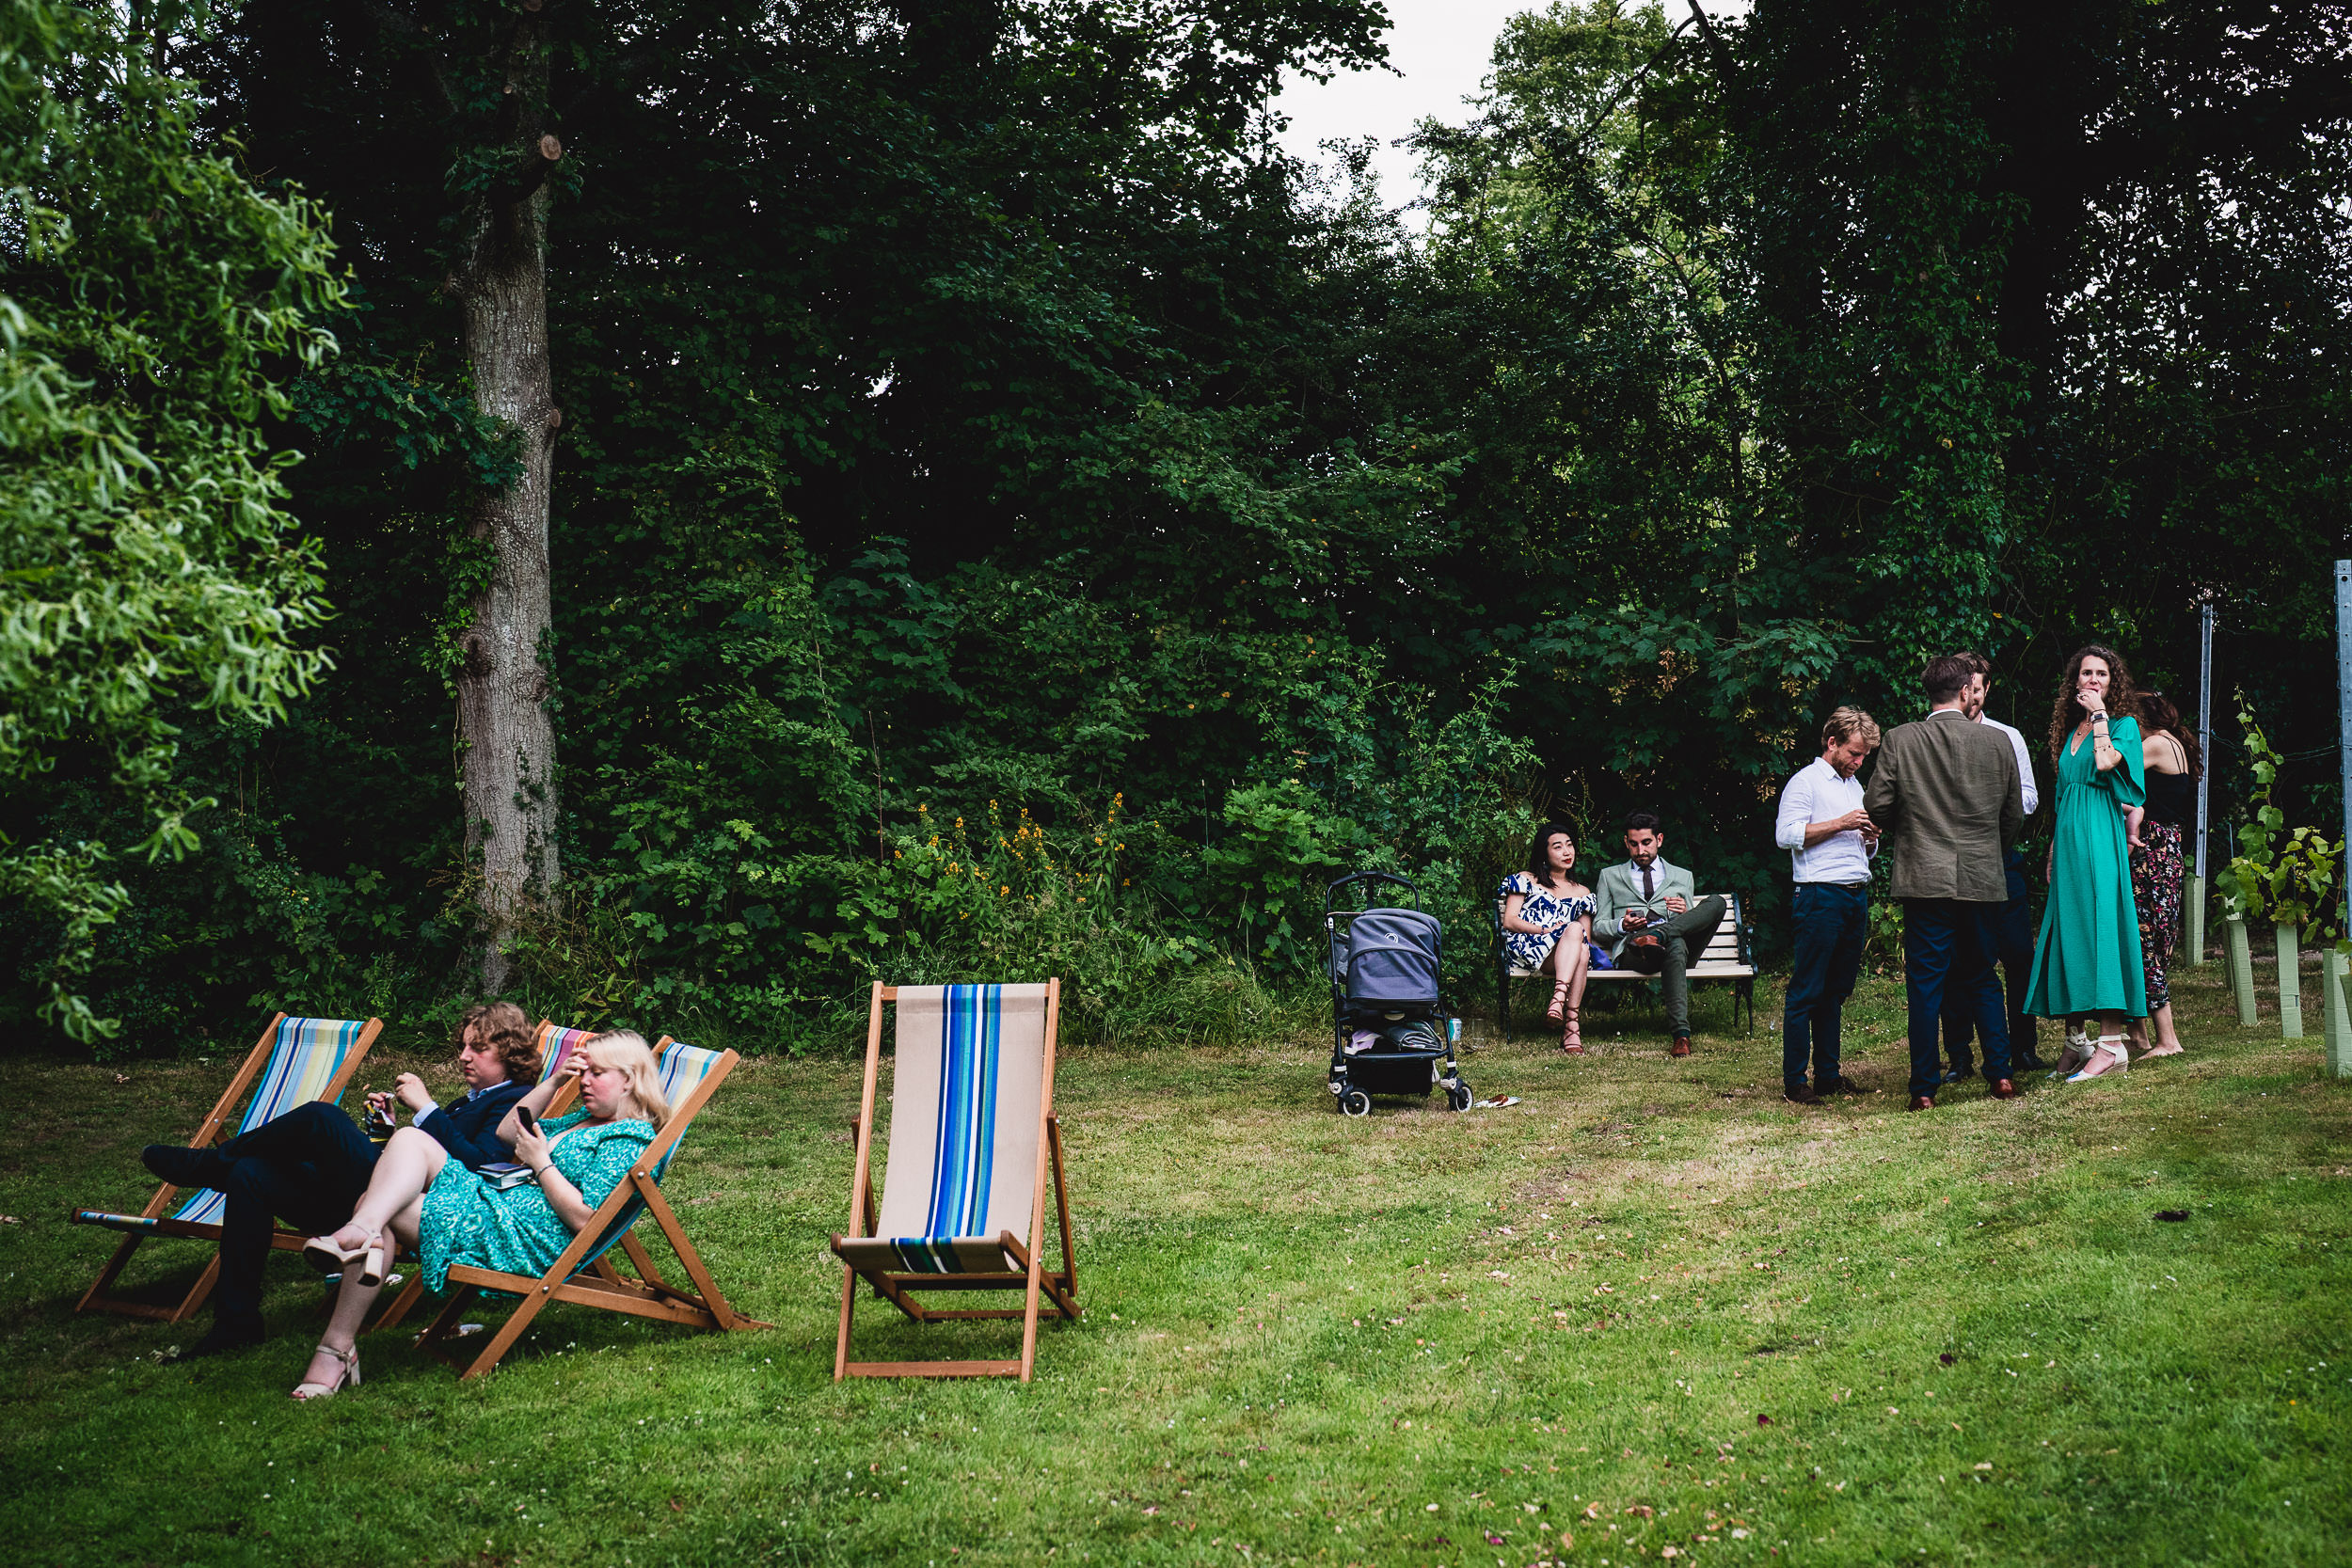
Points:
(1390, 1031)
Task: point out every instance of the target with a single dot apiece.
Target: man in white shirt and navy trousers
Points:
(1830, 839)
(2014, 924)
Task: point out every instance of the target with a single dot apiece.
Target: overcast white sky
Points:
(1443, 48)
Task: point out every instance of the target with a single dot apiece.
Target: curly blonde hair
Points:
(625, 1050)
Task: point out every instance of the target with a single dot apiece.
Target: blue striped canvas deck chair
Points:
(555, 1045)
(296, 1060)
(584, 1274)
(972, 1135)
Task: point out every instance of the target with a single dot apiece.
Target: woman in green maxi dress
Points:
(2087, 963)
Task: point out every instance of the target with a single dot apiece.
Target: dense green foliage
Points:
(1009, 516)
(152, 304)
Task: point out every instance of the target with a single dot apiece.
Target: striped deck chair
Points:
(585, 1273)
(972, 1136)
(556, 1045)
(296, 1060)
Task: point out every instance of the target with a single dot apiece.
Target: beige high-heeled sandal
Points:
(1554, 1013)
(346, 1375)
(322, 1254)
(2078, 1050)
(1571, 1034)
(2116, 1045)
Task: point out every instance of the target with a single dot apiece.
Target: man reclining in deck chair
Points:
(1650, 922)
(430, 1201)
(310, 1165)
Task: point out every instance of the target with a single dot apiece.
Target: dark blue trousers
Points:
(1948, 945)
(1831, 922)
(2014, 952)
(310, 1168)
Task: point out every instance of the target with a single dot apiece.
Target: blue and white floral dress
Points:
(1528, 949)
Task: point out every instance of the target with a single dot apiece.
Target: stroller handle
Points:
(1368, 877)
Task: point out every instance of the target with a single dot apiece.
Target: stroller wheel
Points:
(1356, 1102)
(1459, 1096)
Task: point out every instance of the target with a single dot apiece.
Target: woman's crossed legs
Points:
(391, 1208)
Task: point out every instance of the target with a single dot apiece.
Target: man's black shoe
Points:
(1797, 1094)
(1840, 1084)
(1958, 1075)
(226, 1339)
(186, 1168)
(2028, 1061)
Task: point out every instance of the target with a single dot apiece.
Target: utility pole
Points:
(2196, 884)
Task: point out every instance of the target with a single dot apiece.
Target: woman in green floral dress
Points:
(2087, 963)
(419, 1197)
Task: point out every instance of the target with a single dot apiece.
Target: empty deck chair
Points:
(972, 1136)
(296, 1061)
(584, 1275)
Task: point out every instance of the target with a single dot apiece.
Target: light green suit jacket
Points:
(1618, 889)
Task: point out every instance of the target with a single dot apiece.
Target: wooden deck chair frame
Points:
(404, 1303)
(1033, 1277)
(577, 1278)
(209, 1133)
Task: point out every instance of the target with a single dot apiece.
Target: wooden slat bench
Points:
(1727, 958)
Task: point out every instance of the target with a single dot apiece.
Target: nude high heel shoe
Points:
(1572, 1035)
(1559, 1002)
(346, 1375)
(2110, 1046)
(2077, 1051)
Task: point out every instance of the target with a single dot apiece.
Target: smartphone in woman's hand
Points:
(524, 1115)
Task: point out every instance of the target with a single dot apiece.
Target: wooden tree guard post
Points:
(2193, 920)
(2290, 983)
(2337, 1021)
(2241, 953)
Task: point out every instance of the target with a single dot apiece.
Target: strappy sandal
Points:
(2077, 1053)
(1572, 1035)
(347, 1376)
(322, 1254)
(2115, 1045)
(1559, 1002)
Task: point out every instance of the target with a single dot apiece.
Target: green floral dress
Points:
(466, 1220)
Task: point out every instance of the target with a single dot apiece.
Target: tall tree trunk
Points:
(505, 731)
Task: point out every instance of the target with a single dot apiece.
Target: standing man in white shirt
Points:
(2014, 922)
(1830, 840)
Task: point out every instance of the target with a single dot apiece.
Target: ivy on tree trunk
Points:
(506, 736)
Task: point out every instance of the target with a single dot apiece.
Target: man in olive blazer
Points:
(1947, 798)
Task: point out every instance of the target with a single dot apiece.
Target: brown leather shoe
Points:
(2004, 1089)
(1681, 1046)
(1923, 1102)
(1800, 1095)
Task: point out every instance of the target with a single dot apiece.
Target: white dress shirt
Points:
(1816, 794)
(2025, 762)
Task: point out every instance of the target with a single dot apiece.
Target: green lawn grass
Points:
(1420, 1338)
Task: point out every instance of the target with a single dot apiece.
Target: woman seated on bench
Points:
(420, 1197)
(1548, 925)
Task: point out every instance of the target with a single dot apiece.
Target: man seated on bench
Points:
(1652, 920)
